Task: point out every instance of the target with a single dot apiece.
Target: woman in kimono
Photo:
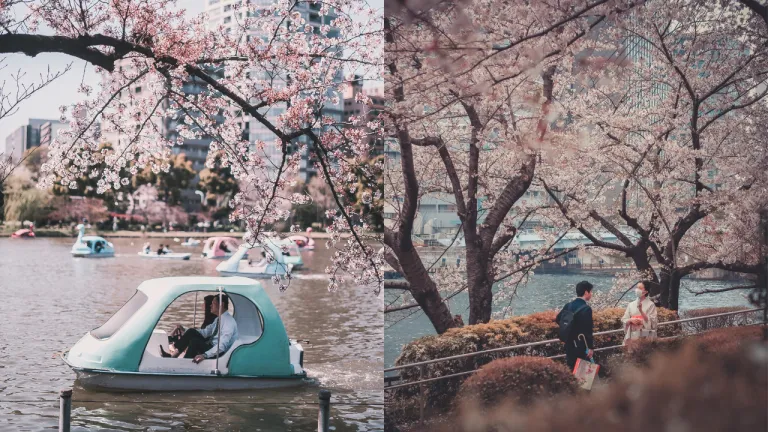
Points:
(640, 318)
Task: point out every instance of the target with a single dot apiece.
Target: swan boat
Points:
(220, 247)
(92, 247)
(304, 242)
(294, 254)
(24, 234)
(166, 256)
(191, 242)
(290, 251)
(124, 353)
(236, 265)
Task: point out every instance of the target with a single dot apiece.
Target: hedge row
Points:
(711, 383)
(501, 333)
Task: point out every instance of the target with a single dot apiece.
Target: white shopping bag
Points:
(586, 372)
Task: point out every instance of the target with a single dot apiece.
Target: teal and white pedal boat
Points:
(256, 266)
(124, 353)
(291, 253)
(92, 247)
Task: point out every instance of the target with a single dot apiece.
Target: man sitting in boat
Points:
(161, 250)
(262, 262)
(209, 317)
(147, 248)
(206, 343)
(223, 246)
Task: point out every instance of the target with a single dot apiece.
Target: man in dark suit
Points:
(582, 325)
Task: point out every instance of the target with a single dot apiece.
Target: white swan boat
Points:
(274, 265)
(91, 246)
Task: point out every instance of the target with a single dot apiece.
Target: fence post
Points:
(421, 395)
(65, 409)
(324, 415)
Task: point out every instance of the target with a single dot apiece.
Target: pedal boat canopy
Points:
(128, 342)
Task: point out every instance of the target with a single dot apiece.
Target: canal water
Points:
(544, 292)
(50, 300)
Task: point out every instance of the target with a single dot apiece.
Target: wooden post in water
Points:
(324, 415)
(65, 409)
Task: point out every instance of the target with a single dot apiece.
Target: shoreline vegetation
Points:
(151, 234)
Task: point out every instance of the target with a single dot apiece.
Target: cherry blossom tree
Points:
(472, 84)
(670, 131)
(77, 208)
(12, 94)
(145, 202)
(271, 59)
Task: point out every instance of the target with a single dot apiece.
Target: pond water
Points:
(50, 300)
(545, 292)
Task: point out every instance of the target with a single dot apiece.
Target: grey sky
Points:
(63, 91)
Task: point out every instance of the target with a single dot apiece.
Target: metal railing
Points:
(421, 365)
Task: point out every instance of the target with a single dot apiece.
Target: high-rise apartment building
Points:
(36, 133)
(222, 13)
(196, 149)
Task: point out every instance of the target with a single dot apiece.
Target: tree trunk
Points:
(670, 290)
(424, 291)
(480, 287)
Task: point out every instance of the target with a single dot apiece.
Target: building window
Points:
(227, 19)
(138, 89)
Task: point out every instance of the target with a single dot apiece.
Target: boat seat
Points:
(152, 361)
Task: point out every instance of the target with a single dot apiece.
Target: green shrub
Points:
(521, 379)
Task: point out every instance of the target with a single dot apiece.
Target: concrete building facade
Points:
(35, 133)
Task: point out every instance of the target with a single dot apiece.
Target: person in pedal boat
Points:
(208, 318)
(261, 262)
(207, 342)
